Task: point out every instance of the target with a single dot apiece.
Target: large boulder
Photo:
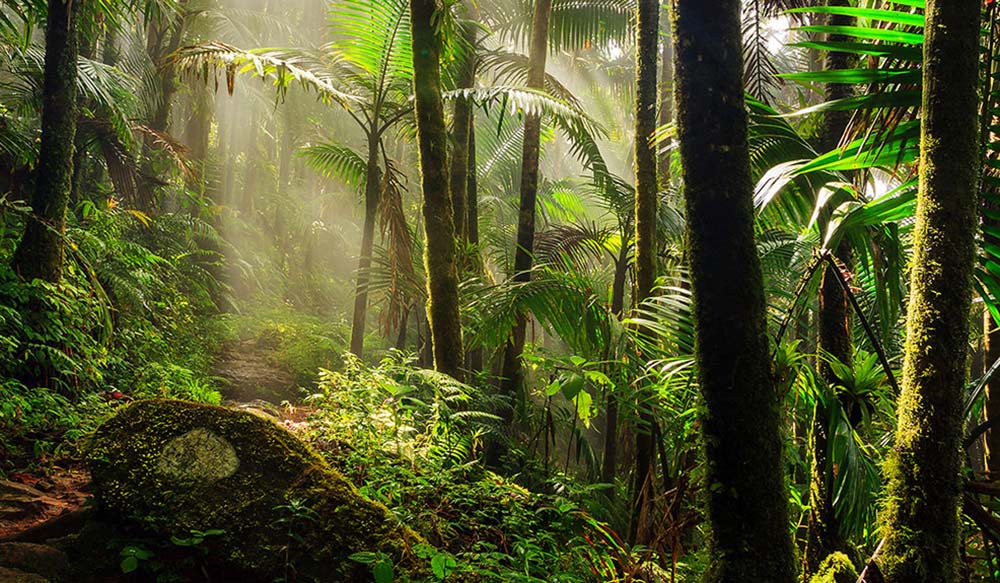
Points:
(177, 468)
(48, 562)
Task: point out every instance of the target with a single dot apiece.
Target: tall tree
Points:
(922, 526)
(432, 134)
(646, 189)
(747, 503)
(462, 133)
(40, 252)
(513, 372)
(834, 324)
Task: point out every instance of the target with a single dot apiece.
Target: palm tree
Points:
(513, 373)
(922, 528)
(443, 312)
(368, 73)
(747, 505)
(40, 252)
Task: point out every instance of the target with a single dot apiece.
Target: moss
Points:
(836, 568)
(279, 486)
(40, 252)
(440, 254)
(921, 523)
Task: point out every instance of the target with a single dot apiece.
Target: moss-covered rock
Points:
(176, 468)
(44, 560)
(836, 568)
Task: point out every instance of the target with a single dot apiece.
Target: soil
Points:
(250, 374)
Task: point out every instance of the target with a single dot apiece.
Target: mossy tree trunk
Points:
(834, 331)
(646, 189)
(741, 421)
(373, 180)
(40, 251)
(921, 520)
(440, 257)
(513, 371)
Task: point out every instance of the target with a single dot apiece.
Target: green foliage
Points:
(411, 439)
(132, 318)
(837, 568)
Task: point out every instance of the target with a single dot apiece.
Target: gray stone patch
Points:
(198, 455)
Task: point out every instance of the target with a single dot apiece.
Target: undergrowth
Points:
(413, 439)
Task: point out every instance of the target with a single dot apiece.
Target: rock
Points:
(15, 576)
(176, 468)
(198, 455)
(18, 500)
(34, 558)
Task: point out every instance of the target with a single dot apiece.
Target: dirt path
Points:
(35, 508)
(251, 374)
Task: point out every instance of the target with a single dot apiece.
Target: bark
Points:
(834, 332)
(513, 371)
(472, 190)
(440, 257)
(199, 125)
(741, 421)
(647, 52)
(40, 251)
(372, 185)
(461, 128)
(921, 520)
(476, 356)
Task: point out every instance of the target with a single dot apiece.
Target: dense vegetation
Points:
(580, 290)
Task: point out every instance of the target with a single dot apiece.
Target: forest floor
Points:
(39, 506)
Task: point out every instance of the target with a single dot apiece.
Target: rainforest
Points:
(500, 291)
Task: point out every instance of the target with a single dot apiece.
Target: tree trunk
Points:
(372, 186)
(834, 331)
(472, 189)
(513, 372)
(647, 51)
(741, 422)
(476, 356)
(461, 128)
(40, 252)
(921, 521)
(440, 257)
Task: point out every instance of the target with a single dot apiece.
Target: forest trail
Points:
(251, 374)
(35, 508)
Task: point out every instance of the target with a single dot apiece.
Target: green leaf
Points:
(584, 404)
(442, 564)
(383, 571)
(129, 564)
(572, 386)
